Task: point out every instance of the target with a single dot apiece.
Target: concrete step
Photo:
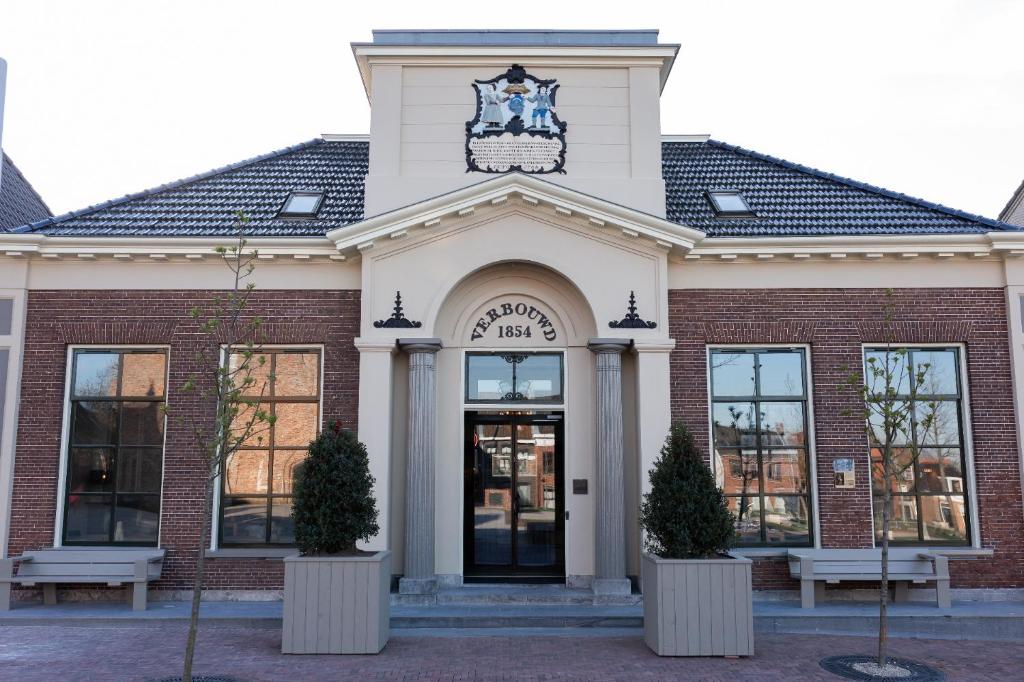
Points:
(500, 594)
(463, 616)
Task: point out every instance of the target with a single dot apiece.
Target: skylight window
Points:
(730, 204)
(301, 205)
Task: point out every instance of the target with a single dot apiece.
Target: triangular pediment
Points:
(567, 204)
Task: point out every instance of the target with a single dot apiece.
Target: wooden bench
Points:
(817, 567)
(111, 566)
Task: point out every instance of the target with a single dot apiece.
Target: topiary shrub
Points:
(685, 515)
(333, 504)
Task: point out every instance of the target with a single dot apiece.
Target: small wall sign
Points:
(842, 469)
(514, 319)
(579, 486)
(515, 127)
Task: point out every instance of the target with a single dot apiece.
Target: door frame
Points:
(512, 572)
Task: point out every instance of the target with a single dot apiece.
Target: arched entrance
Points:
(514, 377)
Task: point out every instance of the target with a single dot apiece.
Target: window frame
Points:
(504, 404)
(217, 526)
(64, 479)
(721, 212)
(809, 447)
(320, 194)
(973, 539)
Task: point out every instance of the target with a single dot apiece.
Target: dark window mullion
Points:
(757, 448)
(270, 446)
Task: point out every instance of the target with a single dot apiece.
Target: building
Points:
(19, 202)
(511, 287)
(1013, 212)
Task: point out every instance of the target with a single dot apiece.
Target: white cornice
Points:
(660, 56)
(870, 247)
(566, 203)
(187, 249)
(686, 138)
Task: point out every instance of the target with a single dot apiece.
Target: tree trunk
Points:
(197, 585)
(883, 626)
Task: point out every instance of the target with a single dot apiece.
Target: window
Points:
(256, 502)
(514, 378)
(730, 204)
(115, 447)
(301, 205)
(929, 503)
(759, 429)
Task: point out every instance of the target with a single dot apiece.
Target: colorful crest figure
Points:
(516, 127)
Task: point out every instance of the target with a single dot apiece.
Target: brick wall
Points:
(57, 319)
(835, 323)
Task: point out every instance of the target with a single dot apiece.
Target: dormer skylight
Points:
(730, 204)
(301, 205)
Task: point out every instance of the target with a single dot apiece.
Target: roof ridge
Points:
(864, 186)
(14, 166)
(174, 184)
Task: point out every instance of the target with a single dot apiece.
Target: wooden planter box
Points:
(336, 605)
(698, 607)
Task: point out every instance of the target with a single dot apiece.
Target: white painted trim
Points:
(14, 344)
(967, 444)
(812, 452)
(700, 137)
(217, 493)
(345, 137)
(65, 442)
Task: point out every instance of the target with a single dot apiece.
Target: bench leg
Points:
(138, 596)
(807, 590)
(901, 592)
(942, 596)
(50, 594)
(5, 596)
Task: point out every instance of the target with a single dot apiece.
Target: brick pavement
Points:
(28, 654)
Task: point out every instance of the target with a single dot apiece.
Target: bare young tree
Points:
(895, 421)
(229, 380)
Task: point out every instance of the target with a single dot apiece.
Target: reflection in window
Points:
(514, 377)
(258, 478)
(115, 447)
(929, 503)
(759, 427)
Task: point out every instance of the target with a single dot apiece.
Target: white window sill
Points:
(952, 552)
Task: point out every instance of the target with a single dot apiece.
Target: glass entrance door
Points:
(515, 516)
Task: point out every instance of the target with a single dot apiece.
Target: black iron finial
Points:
(632, 320)
(398, 318)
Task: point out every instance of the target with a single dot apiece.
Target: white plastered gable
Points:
(425, 250)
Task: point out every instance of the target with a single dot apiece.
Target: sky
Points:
(106, 98)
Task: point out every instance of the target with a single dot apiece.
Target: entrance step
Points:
(491, 594)
(533, 616)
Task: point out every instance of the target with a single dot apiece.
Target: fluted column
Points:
(610, 542)
(419, 577)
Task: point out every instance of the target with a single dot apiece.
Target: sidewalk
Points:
(125, 652)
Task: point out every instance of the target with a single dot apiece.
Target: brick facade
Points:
(835, 323)
(57, 319)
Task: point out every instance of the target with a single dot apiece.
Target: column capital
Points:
(599, 345)
(424, 345)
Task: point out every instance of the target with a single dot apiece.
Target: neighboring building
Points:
(551, 326)
(19, 202)
(1013, 212)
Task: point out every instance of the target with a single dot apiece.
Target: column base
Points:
(612, 586)
(417, 586)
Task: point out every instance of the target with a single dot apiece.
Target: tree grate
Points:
(843, 666)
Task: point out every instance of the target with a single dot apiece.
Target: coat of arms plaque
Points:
(516, 127)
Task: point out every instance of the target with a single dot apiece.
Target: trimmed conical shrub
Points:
(685, 515)
(333, 503)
